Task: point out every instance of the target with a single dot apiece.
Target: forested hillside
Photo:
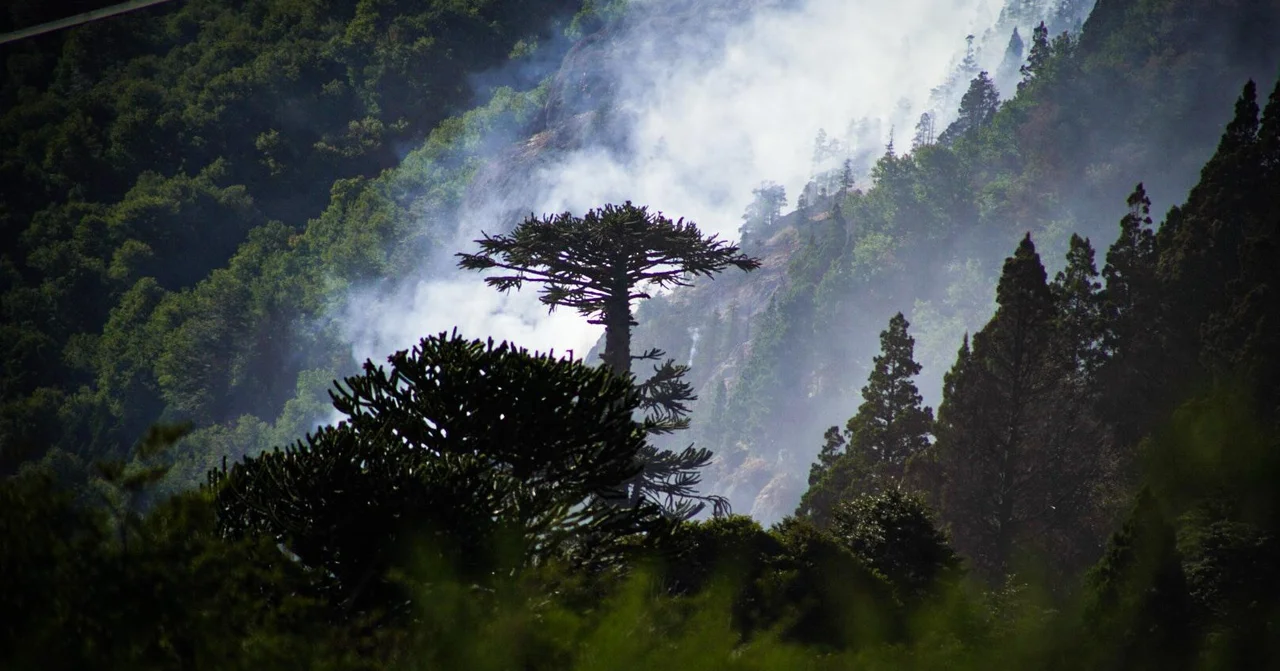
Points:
(185, 195)
(1054, 411)
(1139, 95)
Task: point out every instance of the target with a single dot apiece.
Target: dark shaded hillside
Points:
(467, 498)
(160, 169)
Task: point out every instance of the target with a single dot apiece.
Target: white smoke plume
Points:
(706, 129)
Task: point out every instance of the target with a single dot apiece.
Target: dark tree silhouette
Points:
(472, 445)
(597, 264)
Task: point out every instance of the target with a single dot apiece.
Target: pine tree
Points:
(1132, 332)
(764, 211)
(891, 424)
(1078, 295)
(889, 428)
(977, 109)
(1269, 134)
(1130, 275)
(1200, 253)
(600, 262)
(1007, 485)
(1139, 610)
(1011, 65)
(1038, 58)
(1242, 338)
(471, 443)
(924, 136)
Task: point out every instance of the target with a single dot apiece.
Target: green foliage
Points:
(1139, 604)
(150, 157)
(473, 445)
(889, 429)
(1008, 476)
(192, 599)
(894, 533)
(977, 108)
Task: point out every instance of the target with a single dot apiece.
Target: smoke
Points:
(700, 127)
(694, 336)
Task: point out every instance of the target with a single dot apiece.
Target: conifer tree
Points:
(1130, 276)
(1269, 134)
(1012, 63)
(977, 109)
(1038, 58)
(1242, 338)
(924, 136)
(598, 264)
(889, 428)
(1132, 332)
(765, 209)
(470, 443)
(891, 424)
(602, 261)
(846, 176)
(1201, 243)
(1079, 298)
(1007, 484)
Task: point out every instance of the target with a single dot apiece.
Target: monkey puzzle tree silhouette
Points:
(597, 264)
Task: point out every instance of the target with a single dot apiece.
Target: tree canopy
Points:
(598, 263)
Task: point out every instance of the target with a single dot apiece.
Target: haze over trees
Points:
(1096, 491)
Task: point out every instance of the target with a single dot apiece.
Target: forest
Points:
(1044, 333)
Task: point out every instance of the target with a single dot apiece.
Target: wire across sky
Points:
(77, 19)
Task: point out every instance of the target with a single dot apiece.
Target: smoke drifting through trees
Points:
(711, 124)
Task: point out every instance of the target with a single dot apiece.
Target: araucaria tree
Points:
(496, 457)
(890, 427)
(598, 264)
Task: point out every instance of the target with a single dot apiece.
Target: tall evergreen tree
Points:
(1011, 64)
(764, 211)
(470, 444)
(925, 133)
(602, 261)
(846, 176)
(1038, 58)
(1007, 485)
(977, 109)
(1079, 299)
(1241, 338)
(1132, 333)
(1201, 246)
(889, 428)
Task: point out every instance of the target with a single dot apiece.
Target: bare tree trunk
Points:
(617, 332)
